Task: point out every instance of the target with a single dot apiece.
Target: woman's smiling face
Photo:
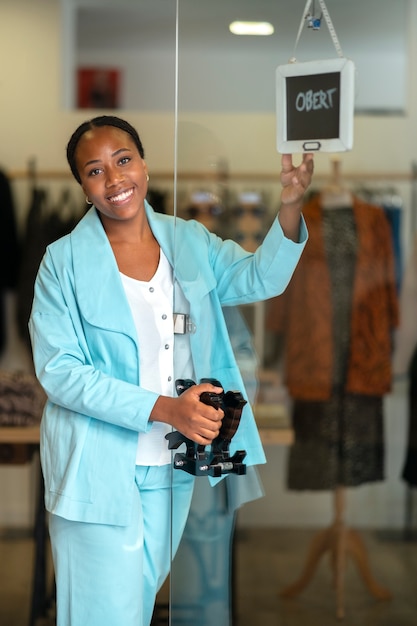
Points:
(113, 174)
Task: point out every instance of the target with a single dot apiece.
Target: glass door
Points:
(221, 82)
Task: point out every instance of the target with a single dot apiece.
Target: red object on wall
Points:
(98, 88)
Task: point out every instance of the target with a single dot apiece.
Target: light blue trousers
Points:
(109, 575)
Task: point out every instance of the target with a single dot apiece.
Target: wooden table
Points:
(16, 435)
(272, 420)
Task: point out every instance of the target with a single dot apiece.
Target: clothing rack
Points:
(225, 175)
(235, 176)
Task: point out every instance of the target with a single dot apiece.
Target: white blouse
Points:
(151, 304)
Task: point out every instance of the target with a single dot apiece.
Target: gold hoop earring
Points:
(147, 178)
(88, 201)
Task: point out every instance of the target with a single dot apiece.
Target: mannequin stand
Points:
(339, 541)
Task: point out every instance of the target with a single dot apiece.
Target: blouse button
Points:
(167, 346)
(164, 316)
(169, 378)
(151, 289)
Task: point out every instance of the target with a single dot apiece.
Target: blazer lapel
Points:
(183, 248)
(99, 288)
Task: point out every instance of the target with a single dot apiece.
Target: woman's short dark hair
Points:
(102, 120)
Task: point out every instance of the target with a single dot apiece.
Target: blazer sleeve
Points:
(244, 277)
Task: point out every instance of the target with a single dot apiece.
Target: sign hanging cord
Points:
(329, 23)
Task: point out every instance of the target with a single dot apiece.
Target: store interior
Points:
(334, 537)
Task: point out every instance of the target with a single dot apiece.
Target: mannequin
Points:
(339, 541)
(337, 319)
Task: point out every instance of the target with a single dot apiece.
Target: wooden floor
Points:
(277, 562)
(267, 561)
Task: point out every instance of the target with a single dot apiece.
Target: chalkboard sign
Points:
(315, 106)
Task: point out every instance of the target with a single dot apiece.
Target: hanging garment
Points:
(409, 473)
(9, 250)
(406, 334)
(405, 361)
(338, 441)
(394, 216)
(44, 225)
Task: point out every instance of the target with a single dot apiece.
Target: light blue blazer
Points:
(86, 353)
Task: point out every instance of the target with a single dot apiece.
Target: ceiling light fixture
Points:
(251, 28)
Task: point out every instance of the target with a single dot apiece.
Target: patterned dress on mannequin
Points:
(338, 442)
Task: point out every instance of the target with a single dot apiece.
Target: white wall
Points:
(33, 123)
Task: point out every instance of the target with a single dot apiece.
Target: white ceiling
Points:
(358, 22)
